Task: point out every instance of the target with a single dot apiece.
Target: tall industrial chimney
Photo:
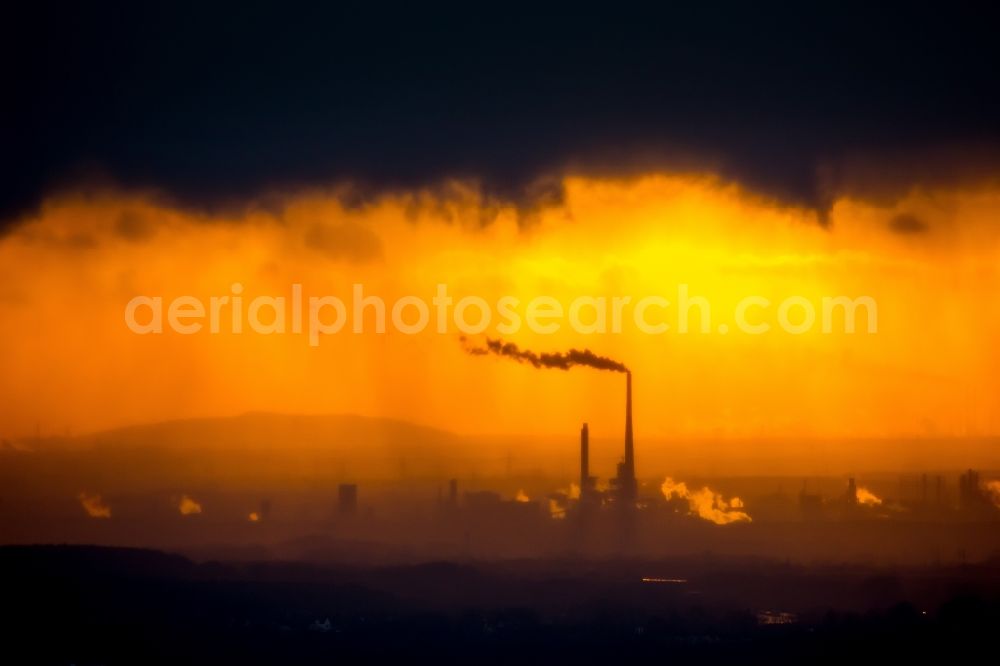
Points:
(584, 458)
(628, 489)
(629, 446)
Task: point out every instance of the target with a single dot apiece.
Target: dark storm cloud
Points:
(215, 105)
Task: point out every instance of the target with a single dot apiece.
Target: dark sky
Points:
(215, 106)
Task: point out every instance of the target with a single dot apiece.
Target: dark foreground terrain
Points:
(89, 605)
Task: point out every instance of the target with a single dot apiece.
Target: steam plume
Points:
(188, 506)
(706, 503)
(993, 490)
(557, 360)
(867, 497)
(94, 505)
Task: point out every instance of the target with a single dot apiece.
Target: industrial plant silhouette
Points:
(281, 555)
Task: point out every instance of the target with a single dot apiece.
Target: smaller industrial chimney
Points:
(584, 458)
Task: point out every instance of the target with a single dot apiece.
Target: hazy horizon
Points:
(553, 454)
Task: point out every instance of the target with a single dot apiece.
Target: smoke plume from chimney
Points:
(556, 360)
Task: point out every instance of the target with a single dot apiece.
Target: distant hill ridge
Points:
(256, 446)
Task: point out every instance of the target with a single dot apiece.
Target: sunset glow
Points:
(626, 333)
(929, 370)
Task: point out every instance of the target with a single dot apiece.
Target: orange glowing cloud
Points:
(931, 262)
